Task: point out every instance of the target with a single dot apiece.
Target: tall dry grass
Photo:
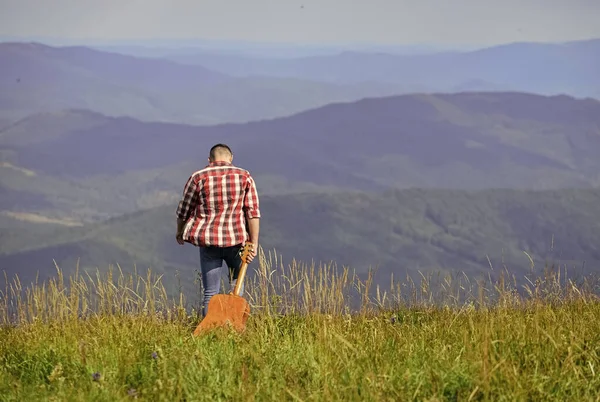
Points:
(275, 288)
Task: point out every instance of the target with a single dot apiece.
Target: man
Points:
(218, 212)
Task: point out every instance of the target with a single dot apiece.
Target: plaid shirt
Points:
(216, 202)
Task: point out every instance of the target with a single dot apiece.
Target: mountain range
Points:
(493, 160)
(544, 68)
(86, 166)
(38, 78)
(205, 88)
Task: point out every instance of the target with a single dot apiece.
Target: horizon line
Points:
(158, 42)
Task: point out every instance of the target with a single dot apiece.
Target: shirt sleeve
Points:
(189, 200)
(251, 203)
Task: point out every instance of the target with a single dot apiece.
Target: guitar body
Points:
(225, 310)
(228, 309)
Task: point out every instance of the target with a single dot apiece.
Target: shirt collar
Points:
(220, 163)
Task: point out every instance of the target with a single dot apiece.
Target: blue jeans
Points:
(211, 261)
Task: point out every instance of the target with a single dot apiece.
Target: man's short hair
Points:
(219, 148)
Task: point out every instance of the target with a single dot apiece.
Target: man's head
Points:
(220, 152)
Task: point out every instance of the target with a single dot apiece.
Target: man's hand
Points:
(252, 252)
(179, 237)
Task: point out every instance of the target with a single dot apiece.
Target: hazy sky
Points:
(318, 21)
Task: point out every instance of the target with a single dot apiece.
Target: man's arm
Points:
(180, 225)
(186, 206)
(253, 230)
(252, 213)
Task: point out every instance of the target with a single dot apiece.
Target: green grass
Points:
(115, 337)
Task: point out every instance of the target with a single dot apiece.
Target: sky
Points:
(396, 22)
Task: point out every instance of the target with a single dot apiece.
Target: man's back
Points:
(216, 202)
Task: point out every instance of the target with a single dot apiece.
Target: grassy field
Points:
(118, 337)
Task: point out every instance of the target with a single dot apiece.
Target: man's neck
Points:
(220, 162)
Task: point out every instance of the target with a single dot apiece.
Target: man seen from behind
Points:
(218, 213)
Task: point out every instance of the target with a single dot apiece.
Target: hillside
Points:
(402, 231)
(566, 68)
(87, 166)
(38, 78)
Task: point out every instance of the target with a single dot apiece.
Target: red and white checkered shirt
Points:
(216, 201)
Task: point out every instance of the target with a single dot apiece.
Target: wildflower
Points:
(96, 376)
(393, 320)
(154, 355)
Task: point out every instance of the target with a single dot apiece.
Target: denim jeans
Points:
(211, 261)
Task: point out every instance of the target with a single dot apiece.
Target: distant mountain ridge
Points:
(570, 68)
(117, 67)
(39, 78)
(91, 166)
(213, 89)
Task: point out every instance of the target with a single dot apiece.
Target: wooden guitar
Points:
(228, 309)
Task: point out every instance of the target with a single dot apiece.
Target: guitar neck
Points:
(242, 273)
(240, 279)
